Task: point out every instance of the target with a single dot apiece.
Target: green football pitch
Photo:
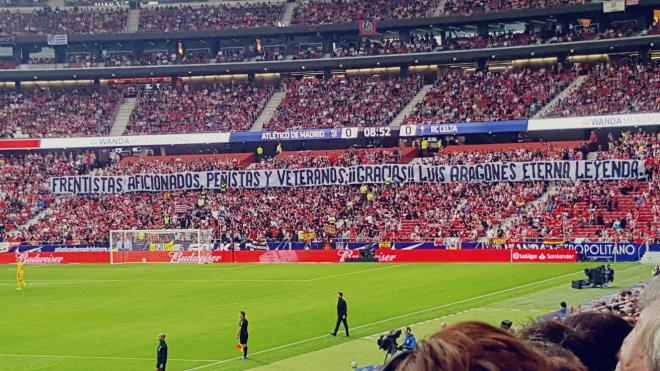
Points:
(100, 317)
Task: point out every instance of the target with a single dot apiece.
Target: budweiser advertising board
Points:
(296, 256)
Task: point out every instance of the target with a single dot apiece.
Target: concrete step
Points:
(288, 14)
(269, 111)
(410, 107)
(563, 95)
(133, 21)
(123, 117)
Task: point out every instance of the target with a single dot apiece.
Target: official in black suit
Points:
(342, 313)
(161, 353)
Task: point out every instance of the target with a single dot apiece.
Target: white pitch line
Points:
(98, 357)
(357, 272)
(389, 319)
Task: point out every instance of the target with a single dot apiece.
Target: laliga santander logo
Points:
(193, 257)
(516, 256)
(25, 258)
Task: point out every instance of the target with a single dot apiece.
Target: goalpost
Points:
(161, 246)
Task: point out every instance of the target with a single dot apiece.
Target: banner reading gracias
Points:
(360, 174)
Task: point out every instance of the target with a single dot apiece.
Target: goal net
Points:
(161, 246)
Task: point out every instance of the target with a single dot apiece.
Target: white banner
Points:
(135, 140)
(594, 122)
(57, 39)
(610, 6)
(354, 175)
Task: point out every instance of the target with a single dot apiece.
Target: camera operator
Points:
(409, 340)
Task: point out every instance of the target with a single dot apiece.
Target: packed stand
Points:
(489, 96)
(353, 212)
(218, 107)
(621, 211)
(23, 3)
(58, 113)
(210, 17)
(299, 160)
(470, 7)
(340, 101)
(340, 11)
(24, 182)
(415, 44)
(63, 21)
(626, 86)
(160, 58)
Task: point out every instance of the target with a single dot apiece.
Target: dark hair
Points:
(473, 346)
(243, 313)
(595, 338)
(340, 293)
(562, 304)
(606, 332)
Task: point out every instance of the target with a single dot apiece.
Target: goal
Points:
(161, 246)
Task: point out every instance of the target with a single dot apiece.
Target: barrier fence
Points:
(296, 256)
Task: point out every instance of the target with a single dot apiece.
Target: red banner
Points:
(297, 256)
(367, 27)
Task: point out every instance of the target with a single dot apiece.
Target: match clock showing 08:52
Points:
(377, 132)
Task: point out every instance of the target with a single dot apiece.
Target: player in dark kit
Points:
(161, 353)
(242, 334)
(342, 312)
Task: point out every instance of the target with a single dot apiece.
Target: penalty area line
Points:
(390, 319)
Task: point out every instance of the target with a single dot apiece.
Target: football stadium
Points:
(330, 185)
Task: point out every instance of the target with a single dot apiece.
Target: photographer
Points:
(409, 341)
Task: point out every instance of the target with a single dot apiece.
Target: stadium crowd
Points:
(623, 86)
(24, 182)
(58, 113)
(339, 101)
(469, 7)
(621, 211)
(63, 21)
(194, 109)
(489, 96)
(315, 12)
(414, 44)
(210, 17)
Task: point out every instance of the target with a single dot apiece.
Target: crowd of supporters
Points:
(624, 86)
(193, 109)
(338, 11)
(469, 7)
(489, 96)
(415, 44)
(339, 101)
(24, 182)
(210, 17)
(304, 159)
(58, 113)
(622, 211)
(63, 21)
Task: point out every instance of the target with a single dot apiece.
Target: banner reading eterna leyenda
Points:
(360, 174)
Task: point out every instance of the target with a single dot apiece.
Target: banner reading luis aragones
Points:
(490, 172)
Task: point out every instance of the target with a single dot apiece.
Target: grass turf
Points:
(107, 317)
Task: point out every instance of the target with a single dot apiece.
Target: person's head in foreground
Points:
(477, 346)
(595, 338)
(161, 337)
(641, 349)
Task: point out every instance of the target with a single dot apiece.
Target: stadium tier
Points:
(470, 7)
(489, 96)
(70, 20)
(337, 102)
(341, 11)
(58, 112)
(205, 108)
(405, 212)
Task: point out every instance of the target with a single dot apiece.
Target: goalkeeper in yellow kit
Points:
(20, 276)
